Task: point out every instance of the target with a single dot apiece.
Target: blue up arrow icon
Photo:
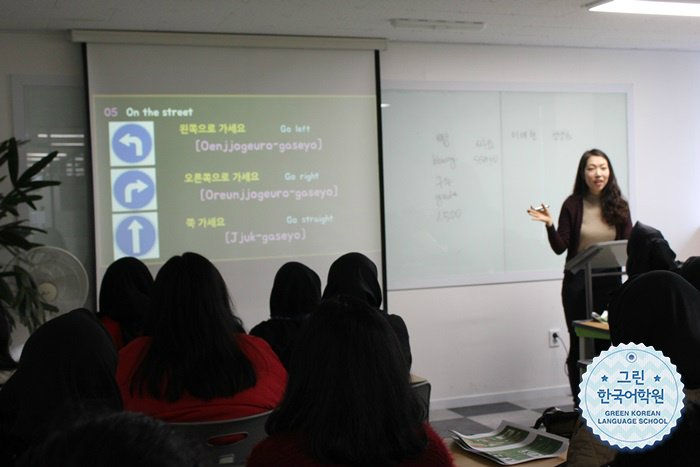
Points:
(135, 236)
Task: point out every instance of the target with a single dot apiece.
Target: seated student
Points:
(355, 275)
(661, 309)
(124, 294)
(67, 367)
(116, 439)
(7, 363)
(194, 363)
(349, 400)
(295, 294)
(648, 250)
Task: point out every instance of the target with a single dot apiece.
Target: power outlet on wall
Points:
(553, 341)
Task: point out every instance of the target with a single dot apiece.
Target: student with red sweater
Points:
(194, 362)
(349, 401)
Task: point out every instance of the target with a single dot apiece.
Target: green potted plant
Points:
(17, 289)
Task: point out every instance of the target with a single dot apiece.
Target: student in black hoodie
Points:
(295, 294)
(661, 309)
(648, 250)
(355, 275)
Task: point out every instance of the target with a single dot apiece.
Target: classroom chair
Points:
(234, 453)
(422, 389)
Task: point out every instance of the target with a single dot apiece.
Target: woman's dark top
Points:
(567, 236)
(124, 299)
(660, 309)
(296, 292)
(67, 367)
(355, 275)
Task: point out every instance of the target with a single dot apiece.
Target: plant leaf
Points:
(13, 160)
(8, 238)
(36, 184)
(36, 167)
(24, 198)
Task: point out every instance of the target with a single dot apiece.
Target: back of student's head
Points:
(648, 250)
(349, 393)
(193, 334)
(121, 439)
(296, 291)
(124, 295)
(354, 275)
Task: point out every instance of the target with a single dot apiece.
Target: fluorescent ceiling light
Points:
(437, 24)
(645, 7)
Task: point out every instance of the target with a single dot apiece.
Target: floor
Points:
(485, 418)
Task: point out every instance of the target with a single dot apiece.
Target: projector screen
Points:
(251, 157)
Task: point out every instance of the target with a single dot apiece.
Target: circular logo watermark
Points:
(631, 396)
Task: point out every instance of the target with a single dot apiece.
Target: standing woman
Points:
(595, 212)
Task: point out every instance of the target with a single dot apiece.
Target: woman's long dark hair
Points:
(124, 295)
(615, 208)
(193, 332)
(349, 395)
(6, 360)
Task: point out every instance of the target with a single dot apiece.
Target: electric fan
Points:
(60, 277)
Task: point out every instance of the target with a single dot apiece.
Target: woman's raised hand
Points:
(541, 214)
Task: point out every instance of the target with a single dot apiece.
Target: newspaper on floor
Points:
(511, 444)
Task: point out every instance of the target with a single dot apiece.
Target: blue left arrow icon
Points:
(131, 143)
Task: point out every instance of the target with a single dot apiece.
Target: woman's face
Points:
(597, 174)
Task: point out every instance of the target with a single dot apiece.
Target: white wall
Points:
(479, 343)
(31, 54)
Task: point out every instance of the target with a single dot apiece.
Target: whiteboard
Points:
(461, 167)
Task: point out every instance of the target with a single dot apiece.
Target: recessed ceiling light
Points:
(437, 24)
(647, 7)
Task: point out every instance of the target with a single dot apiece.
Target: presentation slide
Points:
(233, 177)
(250, 156)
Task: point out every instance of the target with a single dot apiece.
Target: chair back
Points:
(422, 390)
(214, 436)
